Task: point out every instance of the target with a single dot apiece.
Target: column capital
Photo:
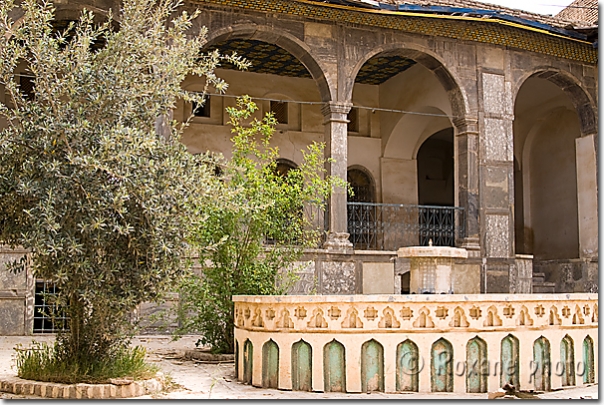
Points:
(336, 112)
(466, 125)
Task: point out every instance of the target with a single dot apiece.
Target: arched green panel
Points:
(248, 358)
(510, 364)
(476, 358)
(407, 367)
(372, 366)
(334, 367)
(567, 357)
(301, 366)
(588, 360)
(542, 364)
(237, 360)
(270, 365)
(441, 366)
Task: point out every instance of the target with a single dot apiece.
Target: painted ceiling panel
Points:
(271, 59)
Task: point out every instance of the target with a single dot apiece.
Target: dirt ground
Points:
(193, 379)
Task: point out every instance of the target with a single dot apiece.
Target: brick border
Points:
(19, 386)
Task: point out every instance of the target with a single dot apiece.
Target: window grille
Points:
(202, 110)
(47, 319)
(279, 110)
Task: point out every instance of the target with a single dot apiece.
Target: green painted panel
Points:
(441, 362)
(588, 360)
(301, 366)
(334, 367)
(237, 360)
(541, 363)
(407, 367)
(567, 357)
(476, 377)
(372, 367)
(270, 365)
(248, 357)
(510, 365)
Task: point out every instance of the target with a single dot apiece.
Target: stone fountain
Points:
(430, 267)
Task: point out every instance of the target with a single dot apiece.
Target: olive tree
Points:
(94, 182)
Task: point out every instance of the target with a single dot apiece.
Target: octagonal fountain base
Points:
(422, 343)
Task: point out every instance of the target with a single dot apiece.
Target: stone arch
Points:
(441, 366)
(582, 101)
(546, 130)
(282, 39)
(567, 360)
(372, 366)
(270, 364)
(477, 368)
(426, 58)
(301, 366)
(510, 361)
(408, 366)
(436, 169)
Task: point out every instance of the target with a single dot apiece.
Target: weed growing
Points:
(44, 362)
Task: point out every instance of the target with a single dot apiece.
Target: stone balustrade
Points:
(425, 343)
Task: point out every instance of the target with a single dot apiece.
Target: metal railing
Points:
(390, 226)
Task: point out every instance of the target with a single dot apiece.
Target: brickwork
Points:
(581, 10)
(132, 389)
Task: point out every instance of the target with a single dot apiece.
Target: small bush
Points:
(44, 362)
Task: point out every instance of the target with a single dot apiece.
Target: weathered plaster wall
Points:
(16, 296)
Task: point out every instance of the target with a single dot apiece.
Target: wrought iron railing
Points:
(390, 226)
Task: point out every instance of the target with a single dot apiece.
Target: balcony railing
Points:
(391, 226)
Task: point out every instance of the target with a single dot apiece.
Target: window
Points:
(27, 86)
(353, 120)
(202, 110)
(279, 110)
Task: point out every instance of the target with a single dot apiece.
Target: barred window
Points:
(279, 109)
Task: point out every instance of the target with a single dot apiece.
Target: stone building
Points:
(457, 123)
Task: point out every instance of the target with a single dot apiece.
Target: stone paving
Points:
(199, 380)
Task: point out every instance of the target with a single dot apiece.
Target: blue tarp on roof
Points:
(474, 12)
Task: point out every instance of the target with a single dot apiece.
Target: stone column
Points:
(496, 182)
(336, 139)
(466, 146)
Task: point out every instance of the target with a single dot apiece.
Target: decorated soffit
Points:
(271, 59)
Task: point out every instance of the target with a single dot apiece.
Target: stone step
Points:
(538, 278)
(544, 287)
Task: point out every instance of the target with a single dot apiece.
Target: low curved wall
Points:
(425, 343)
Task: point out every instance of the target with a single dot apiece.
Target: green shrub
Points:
(258, 205)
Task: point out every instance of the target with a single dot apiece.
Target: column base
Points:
(337, 242)
(472, 245)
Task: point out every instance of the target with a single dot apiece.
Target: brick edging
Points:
(19, 386)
